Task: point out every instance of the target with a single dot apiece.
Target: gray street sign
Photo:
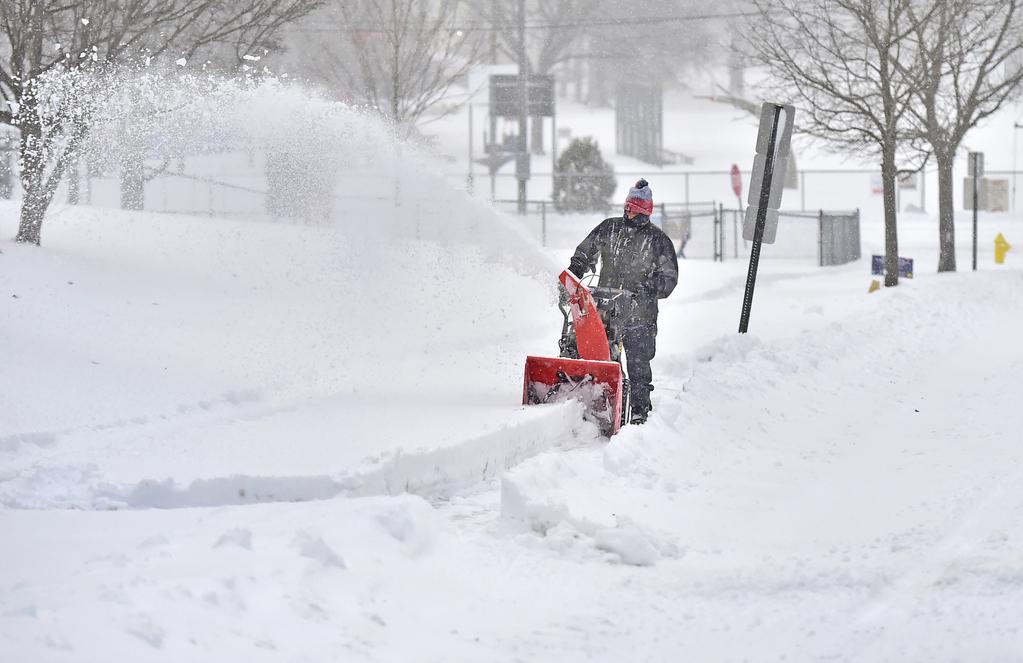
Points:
(783, 137)
(757, 179)
(766, 184)
(749, 225)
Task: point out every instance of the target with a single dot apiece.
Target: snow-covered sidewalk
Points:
(851, 496)
(841, 484)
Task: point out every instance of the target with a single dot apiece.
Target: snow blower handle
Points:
(612, 293)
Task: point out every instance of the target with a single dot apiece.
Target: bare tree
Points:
(224, 37)
(400, 56)
(48, 47)
(838, 59)
(650, 40)
(967, 66)
(552, 31)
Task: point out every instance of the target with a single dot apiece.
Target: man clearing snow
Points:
(634, 255)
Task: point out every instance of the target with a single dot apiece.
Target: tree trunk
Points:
(579, 79)
(74, 182)
(38, 188)
(891, 235)
(536, 140)
(30, 227)
(946, 215)
(33, 203)
(133, 180)
(597, 94)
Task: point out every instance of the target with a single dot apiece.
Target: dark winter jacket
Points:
(633, 256)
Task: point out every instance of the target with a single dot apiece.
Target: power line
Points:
(590, 23)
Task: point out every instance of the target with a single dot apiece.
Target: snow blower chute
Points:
(592, 366)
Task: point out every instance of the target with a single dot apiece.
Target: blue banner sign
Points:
(905, 266)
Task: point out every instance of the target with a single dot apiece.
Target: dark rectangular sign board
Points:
(905, 266)
(504, 96)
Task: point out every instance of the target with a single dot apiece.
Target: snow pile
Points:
(542, 496)
(742, 411)
(177, 585)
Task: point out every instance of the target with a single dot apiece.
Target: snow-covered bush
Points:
(583, 181)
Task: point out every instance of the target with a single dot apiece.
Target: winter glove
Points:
(577, 270)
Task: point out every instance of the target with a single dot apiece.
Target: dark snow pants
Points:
(640, 342)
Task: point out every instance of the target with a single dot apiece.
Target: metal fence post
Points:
(721, 230)
(687, 190)
(735, 233)
(543, 223)
(714, 232)
(859, 247)
(802, 191)
(717, 233)
(820, 238)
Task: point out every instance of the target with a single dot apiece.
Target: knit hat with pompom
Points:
(640, 199)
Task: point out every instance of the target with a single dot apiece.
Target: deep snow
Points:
(239, 440)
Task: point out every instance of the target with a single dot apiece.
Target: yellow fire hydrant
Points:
(1001, 248)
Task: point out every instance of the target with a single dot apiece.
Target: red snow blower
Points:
(592, 366)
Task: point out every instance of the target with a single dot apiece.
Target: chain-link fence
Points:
(839, 237)
(705, 231)
(829, 237)
(694, 227)
(806, 190)
(240, 185)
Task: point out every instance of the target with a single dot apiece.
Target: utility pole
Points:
(1016, 126)
(469, 180)
(975, 183)
(976, 167)
(522, 156)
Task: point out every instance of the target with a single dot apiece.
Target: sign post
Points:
(761, 221)
(976, 167)
(522, 161)
(469, 178)
(515, 98)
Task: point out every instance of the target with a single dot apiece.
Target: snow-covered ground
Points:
(237, 440)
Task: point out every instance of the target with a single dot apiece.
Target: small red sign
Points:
(736, 181)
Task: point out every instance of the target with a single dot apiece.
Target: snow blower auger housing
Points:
(592, 366)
